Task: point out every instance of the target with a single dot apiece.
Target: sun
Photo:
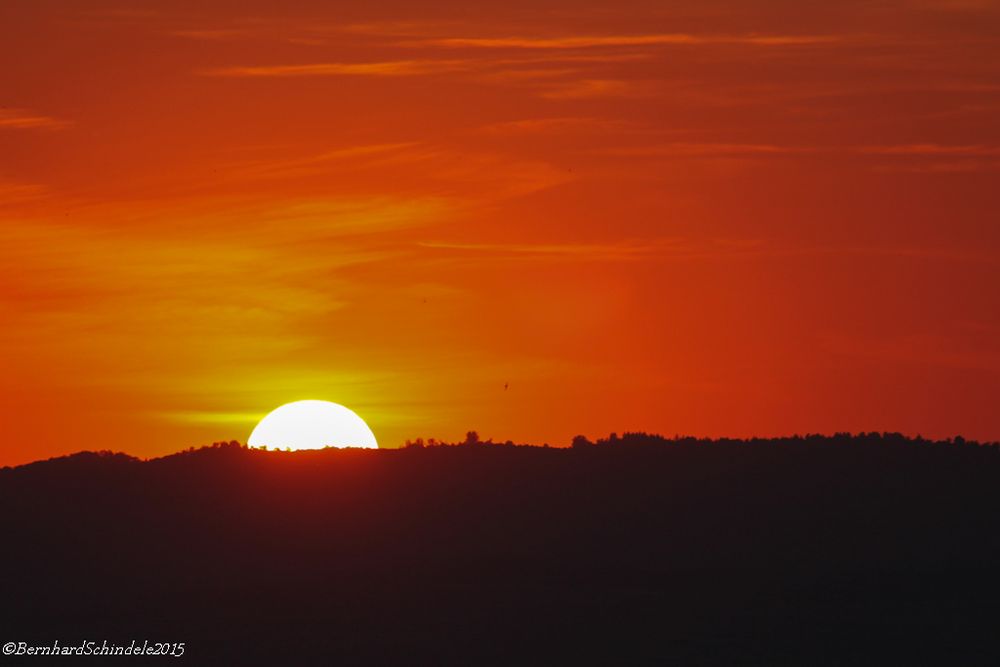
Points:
(312, 425)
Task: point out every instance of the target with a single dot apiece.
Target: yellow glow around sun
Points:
(312, 425)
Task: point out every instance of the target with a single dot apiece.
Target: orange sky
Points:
(700, 217)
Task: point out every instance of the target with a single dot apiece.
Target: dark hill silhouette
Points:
(861, 550)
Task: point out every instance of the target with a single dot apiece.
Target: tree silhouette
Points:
(639, 549)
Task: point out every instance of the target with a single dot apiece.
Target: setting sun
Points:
(678, 323)
(312, 425)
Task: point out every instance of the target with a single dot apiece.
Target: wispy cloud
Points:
(528, 76)
(395, 28)
(603, 58)
(311, 31)
(586, 88)
(964, 166)
(213, 34)
(21, 119)
(383, 68)
(707, 149)
(300, 166)
(617, 251)
(935, 158)
(459, 177)
(681, 249)
(491, 177)
(712, 149)
(597, 41)
(611, 251)
(552, 125)
(262, 269)
(298, 222)
(935, 150)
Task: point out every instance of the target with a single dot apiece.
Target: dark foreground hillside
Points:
(863, 551)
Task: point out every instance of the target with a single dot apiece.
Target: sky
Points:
(705, 217)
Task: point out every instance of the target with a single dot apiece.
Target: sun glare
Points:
(312, 425)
